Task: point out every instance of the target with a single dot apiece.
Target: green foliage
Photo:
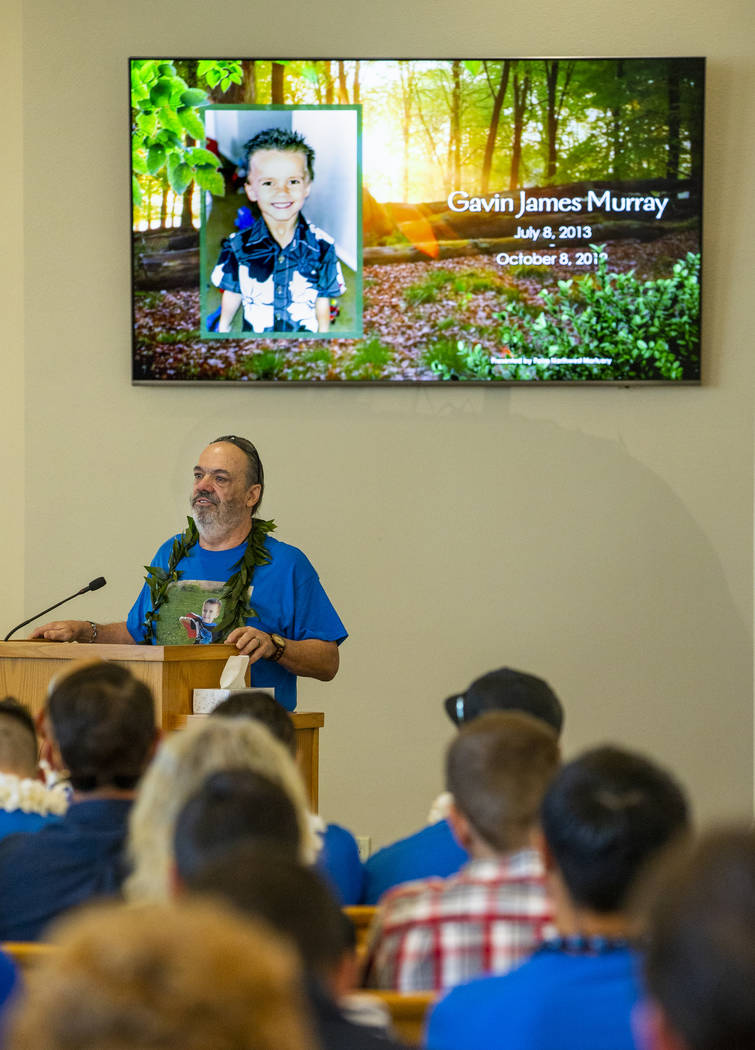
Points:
(219, 74)
(368, 360)
(268, 364)
(472, 283)
(456, 360)
(313, 363)
(182, 335)
(541, 272)
(613, 115)
(458, 285)
(648, 328)
(426, 291)
(148, 300)
(445, 357)
(165, 112)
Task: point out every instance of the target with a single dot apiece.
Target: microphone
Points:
(93, 585)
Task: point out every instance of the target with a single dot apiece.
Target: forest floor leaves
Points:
(408, 308)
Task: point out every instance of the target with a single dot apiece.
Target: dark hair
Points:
(604, 816)
(18, 737)
(230, 806)
(700, 959)
(255, 475)
(103, 720)
(294, 900)
(497, 769)
(506, 690)
(253, 703)
(280, 139)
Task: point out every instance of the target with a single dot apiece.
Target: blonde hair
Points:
(184, 976)
(182, 763)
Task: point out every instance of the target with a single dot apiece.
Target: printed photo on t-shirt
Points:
(191, 613)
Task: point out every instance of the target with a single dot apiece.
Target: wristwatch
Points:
(280, 647)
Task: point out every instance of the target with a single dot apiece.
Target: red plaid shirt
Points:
(435, 933)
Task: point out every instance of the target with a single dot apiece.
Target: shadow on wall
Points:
(521, 542)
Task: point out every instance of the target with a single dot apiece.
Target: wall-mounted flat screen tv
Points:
(423, 221)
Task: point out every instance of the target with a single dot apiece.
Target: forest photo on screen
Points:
(505, 221)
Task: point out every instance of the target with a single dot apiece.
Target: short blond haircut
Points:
(183, 762)
(187, 976)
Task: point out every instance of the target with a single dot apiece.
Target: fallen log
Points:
(176, 269)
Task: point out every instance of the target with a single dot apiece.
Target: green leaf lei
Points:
(234, 594)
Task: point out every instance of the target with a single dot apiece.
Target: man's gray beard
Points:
(216, 521)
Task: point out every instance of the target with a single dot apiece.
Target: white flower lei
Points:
(31, 796)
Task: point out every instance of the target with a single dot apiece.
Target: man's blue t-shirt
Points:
(572, 1002)
(286, 595)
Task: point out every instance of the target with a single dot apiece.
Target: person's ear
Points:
(253, 495)
(540, 843)
(461, 828)
(49, 751)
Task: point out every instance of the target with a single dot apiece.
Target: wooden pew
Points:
(361, 915)
(26, 954)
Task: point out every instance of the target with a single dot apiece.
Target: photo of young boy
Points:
(200, 628)
(282, 271)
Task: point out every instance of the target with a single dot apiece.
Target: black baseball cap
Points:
(506, 690)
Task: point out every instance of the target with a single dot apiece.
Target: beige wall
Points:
(12, 416)
(602, 538)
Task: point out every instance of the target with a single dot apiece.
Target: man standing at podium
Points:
(273, 606)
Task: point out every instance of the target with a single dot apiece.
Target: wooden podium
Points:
(171, 671)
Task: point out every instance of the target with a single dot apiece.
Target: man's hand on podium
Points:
(84, 631)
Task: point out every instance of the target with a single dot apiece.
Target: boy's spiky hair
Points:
(281, 139)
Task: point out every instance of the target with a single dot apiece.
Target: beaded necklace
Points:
(581, 944)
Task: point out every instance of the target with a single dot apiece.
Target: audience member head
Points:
(253, 703)
(506, 690)
(102, 723)
(293, 899)
(183, 761)
(700, 959)
(605, 816)
(497, 770)
(18, 739)
(189, 976)
(233, 805)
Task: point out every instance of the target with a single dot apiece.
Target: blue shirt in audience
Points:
(555, 999)
(46, 872)
(17, 821)
(431, 851)
(10, 983)
(340, 863)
